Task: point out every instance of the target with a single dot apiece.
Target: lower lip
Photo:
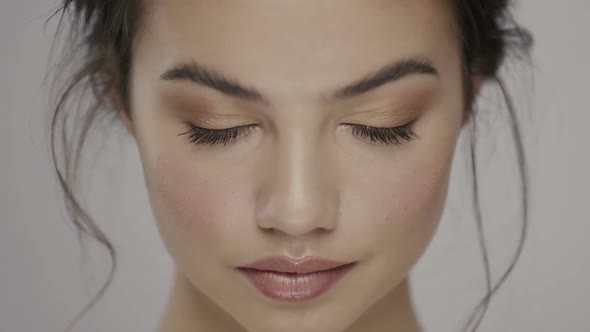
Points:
(294, 287)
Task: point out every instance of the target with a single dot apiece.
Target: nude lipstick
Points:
(294, 280)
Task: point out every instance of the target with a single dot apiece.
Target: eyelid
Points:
(224, 136)
(218, 121)
(375, 135)
(193, 126)
(402, 124)
(385, 135)
(390, 110)
(384, 119)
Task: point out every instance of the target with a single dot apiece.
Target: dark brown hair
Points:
(100, 39)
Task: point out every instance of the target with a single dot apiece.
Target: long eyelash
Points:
(387, 136)
(198, 135)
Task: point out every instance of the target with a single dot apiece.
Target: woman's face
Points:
(302, 178)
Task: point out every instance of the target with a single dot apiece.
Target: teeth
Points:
(290, 279)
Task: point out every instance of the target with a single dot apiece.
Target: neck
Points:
(189, 310)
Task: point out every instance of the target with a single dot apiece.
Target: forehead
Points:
(292, 46)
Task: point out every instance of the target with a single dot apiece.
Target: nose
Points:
(300, 193)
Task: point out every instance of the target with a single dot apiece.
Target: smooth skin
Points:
(300, 182)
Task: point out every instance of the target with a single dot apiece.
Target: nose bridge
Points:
(300, 193)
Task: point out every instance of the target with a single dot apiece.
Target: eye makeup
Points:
(385, 135)
(377, 122)
(374, 135)
(204, 136)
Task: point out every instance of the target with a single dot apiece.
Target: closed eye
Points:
(199, 135)
(373, 135)
(384, 135)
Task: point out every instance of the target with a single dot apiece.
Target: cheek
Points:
(410, 200)
(190, 202)
(415, 197)
(185, 195)
(415, 206)
(403, 210)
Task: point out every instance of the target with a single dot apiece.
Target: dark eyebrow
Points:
(212, 78)
(387, 74)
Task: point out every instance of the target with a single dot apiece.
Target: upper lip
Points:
(287, 264)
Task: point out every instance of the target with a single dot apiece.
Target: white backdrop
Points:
(44, 279)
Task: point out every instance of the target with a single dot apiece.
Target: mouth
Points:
(289, 280)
